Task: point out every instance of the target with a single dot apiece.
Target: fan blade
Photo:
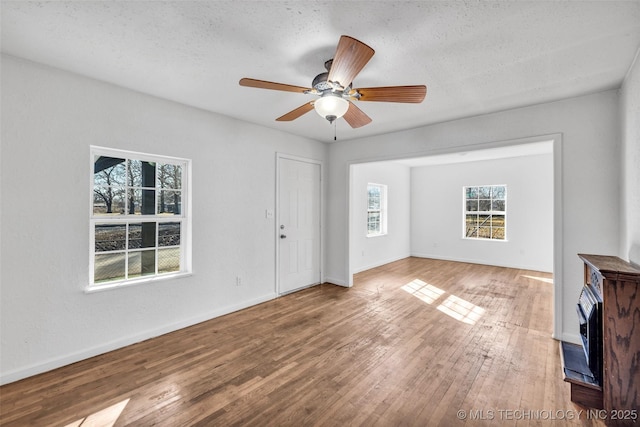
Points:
(350, 58)
(294, 114)
(262, 84)
(356, 117)
(411, 94)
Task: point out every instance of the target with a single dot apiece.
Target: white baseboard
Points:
(479, 261)
(335, 281)
(18, 374)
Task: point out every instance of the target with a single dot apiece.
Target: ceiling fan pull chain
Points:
(335, 125)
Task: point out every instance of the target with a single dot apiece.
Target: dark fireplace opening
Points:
(589, 309)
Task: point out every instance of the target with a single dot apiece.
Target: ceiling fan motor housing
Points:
(321, 82)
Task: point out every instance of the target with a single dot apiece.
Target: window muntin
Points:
(138, 219)
(376, 210)
(485, 212)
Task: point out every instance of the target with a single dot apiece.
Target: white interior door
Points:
(298, 224)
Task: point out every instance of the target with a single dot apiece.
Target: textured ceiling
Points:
(474, 57)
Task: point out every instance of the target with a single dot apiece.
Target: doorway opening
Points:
(433, 207)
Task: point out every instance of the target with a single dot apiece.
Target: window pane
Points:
(497, 220)
(471, 223)
(490, 200)
(148, 174)
(135, 236)
(484, 226)
(169, 234)
(484, 205)
(373, 194)
(148, 202)
(108, 200)
(484, 232)
(109, 237)
(471, 220)
(373, 198)
(128, 196)
(142, 235)
(373, 222)
(169, 202)
(134, 173)
(135, 264)
(134, 201)
(374, 203)
(472, 192)
(108, 171)
(497, 205)
(142, 263)
(168, 260)
(169, 176)
(108, 267)
(498, 192)
(148, 236)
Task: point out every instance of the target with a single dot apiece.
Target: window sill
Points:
(376, 235)
(477, 239)
(141, 281)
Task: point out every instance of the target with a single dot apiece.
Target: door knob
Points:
(282, 236)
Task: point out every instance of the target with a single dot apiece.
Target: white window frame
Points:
(382, 229)
(488, 213)
(184, 218)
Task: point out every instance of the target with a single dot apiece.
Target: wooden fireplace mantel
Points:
(618, 283)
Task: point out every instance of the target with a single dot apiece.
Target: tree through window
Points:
(485, 212)
(138, 219)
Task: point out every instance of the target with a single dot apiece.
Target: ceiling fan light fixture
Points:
(335, 87)
(331, 105)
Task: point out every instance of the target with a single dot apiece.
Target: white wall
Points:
(436, 212)
(590, 159)
(50, 117)
(49, 120)
(369, 252)
(630, 161)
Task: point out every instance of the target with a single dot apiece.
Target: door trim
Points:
(276, 232)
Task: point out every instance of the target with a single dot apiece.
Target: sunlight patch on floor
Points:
(423, 291)
(461, 310)
(106, 417)
(542, 279)
(453, 306)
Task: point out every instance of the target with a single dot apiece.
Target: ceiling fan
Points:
(334, 87)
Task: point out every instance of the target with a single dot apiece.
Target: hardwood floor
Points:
(414, 342)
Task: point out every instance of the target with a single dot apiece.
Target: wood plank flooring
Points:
(415, 342)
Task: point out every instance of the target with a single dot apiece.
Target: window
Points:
(485, 212)
(376, 210)
(139, 219)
